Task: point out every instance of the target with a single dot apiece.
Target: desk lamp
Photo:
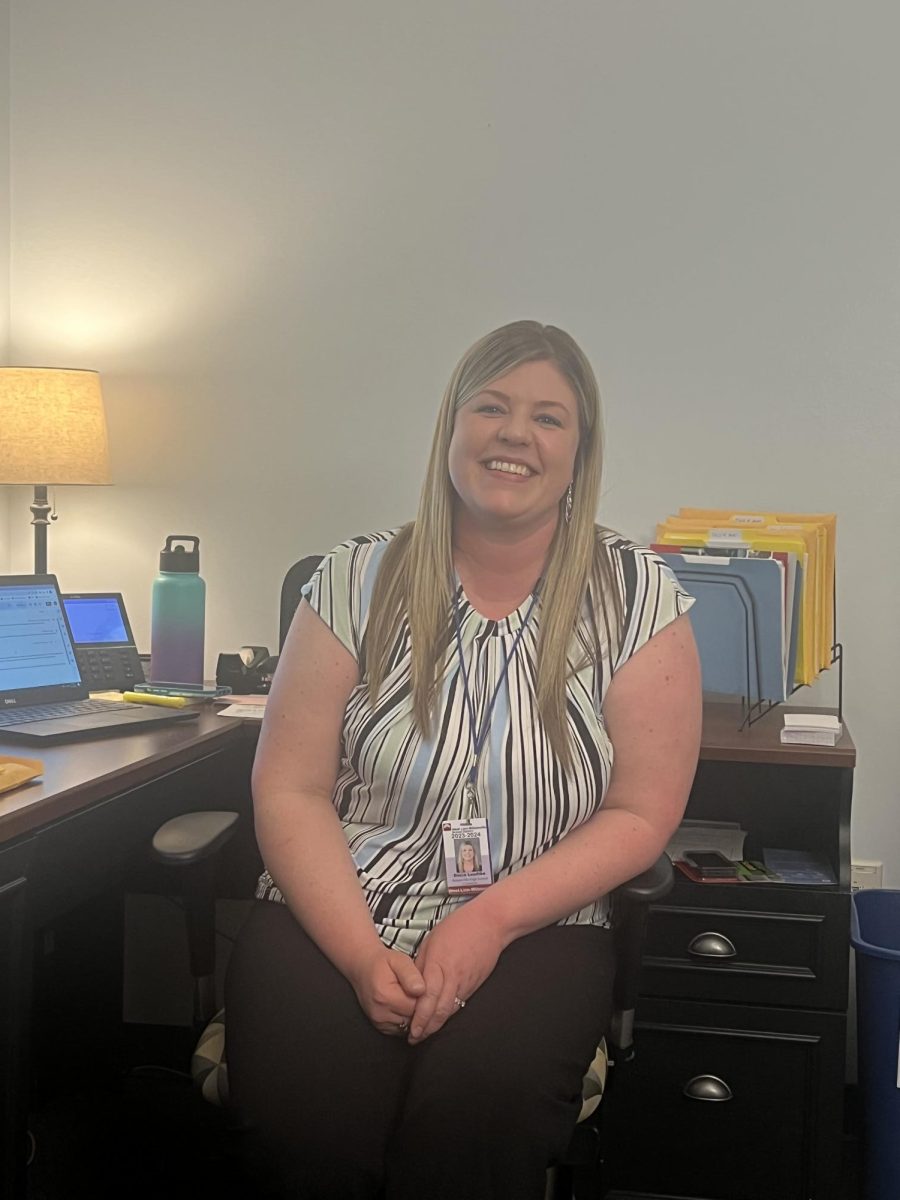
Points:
(52, 431)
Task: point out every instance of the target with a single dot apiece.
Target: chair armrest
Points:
(653, 884)
(193, 837)
(631, 902)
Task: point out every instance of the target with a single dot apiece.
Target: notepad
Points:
(811, 729)
(249, 712)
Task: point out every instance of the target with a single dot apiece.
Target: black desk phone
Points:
(104, 644)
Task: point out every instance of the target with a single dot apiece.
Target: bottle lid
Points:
(180, 558)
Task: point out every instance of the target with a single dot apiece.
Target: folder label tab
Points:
(726, 535)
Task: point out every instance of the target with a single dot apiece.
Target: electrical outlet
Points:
(866, 875)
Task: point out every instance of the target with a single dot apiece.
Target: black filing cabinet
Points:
(736, 1091)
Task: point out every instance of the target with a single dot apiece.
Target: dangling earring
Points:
(570, 491)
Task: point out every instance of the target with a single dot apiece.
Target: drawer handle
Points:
(707, 1087)
(712, 945)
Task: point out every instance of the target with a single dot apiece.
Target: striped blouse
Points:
(394, 788)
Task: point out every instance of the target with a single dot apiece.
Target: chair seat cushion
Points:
(209, 1069)
(208, 1064)
(594, 1083)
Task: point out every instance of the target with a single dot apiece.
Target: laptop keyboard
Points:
(48, 712)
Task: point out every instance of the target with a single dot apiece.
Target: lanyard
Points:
(479, 737)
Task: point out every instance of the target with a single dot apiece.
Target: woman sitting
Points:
(501, 673)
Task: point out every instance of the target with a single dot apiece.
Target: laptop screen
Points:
(37, 661)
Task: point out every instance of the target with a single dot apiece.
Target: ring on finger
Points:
(457, 1003)
(402, 1026)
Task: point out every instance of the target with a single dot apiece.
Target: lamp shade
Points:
(52, 426)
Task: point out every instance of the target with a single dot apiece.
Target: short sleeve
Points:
(652, 597)
(341, 588)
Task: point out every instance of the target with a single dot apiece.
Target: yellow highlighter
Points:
(147, 698)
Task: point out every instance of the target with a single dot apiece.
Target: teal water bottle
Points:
(178, 614)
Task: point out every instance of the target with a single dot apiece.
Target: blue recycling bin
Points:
(875, 936)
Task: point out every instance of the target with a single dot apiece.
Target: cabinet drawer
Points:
(747, 944)
(739, 1103)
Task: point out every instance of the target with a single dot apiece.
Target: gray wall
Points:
(273, 227)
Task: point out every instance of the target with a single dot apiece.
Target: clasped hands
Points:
(400, 994)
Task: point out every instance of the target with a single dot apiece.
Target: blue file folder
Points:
(739, 623)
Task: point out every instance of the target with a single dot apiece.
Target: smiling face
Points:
(467, 857)
(512, 453)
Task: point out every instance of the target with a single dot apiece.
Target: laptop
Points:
(43, 695)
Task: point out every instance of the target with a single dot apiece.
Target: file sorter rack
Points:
(759, 708)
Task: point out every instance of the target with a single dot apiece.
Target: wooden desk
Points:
(770, 1018)
(74, 835)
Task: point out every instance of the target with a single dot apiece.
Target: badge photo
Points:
(467, 855)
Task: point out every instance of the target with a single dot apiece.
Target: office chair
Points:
(188, 846)
(580, 1175)
(297, 578)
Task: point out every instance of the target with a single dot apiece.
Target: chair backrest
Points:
(296, 578)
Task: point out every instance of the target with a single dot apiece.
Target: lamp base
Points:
(41, 510)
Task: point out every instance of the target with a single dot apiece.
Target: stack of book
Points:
(764, 586)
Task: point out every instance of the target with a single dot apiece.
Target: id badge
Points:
(467, 855)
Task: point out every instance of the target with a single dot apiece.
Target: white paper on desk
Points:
(250, 712)
(725, 836)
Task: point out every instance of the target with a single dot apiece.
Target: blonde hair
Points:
(416, 572)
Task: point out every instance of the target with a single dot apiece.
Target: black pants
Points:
(334, 1109)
